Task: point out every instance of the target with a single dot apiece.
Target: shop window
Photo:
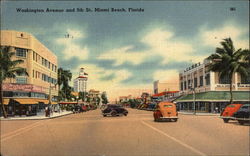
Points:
(20, 52)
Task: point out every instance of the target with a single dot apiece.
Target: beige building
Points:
(208, 90)
(165, 86)
(40, 64)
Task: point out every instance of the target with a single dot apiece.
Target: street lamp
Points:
(193, 89)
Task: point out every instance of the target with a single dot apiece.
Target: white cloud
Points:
(95, 74)
(121, 55)
(213, 37)
(72, 49)
(162, 43)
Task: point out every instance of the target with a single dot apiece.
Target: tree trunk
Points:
(231, 89)
(1, 100)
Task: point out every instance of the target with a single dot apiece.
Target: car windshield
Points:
(168, 106)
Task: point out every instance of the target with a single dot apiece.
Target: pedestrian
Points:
(46, 111)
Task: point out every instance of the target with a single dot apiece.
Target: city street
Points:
(91, 134)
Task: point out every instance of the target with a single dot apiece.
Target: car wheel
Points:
(113, 113)
(226, 120)
(125, 114)
(241, 122)
(104, 115)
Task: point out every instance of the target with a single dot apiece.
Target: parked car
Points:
(114, 110)
(165, 111)
(228, 112)
(243, 114)
(151, 107)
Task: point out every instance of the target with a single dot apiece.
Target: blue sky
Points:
(129, 50)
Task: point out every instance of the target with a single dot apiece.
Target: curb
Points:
(198, 114)
(43, 118)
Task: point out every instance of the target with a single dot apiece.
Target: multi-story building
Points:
(80, 83)
(94, 96)
(207, 90)
(28, 92)
(164, 86)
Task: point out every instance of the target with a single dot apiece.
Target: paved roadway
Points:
(90, 134)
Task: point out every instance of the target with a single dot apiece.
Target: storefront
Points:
(23, 106)
(211, 102)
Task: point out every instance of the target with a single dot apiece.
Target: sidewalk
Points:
(199, 114)
(39, 116)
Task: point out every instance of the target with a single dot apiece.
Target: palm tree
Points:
(64, 76)
(8, 69)
(227, 61)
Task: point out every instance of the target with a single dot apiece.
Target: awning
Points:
(26, 101)
(43, 100)
(54, 103)
(6, 101)
(67, 102)
(215, 96)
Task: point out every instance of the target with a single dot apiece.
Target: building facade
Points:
(204, 90)
(164, 86)
(80, 83)
(41, 65)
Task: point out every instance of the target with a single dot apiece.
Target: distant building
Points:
(164, 86)
(80, 83)
(94, 96)
(29, 93)
(211, 90)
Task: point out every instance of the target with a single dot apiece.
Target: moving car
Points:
(114, 110)
(165, 111)
(243, 114)
(228, 112)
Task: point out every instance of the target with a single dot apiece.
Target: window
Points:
(185, 85)
(43, 61)
(225, 79)
(207, 79)
(34, 55)
(20, 52)
(21, 79)
(245, 79)
(201, 80)
(189, 84)
(49, 65)
(181, 85)
(195, 82)
(33, 73)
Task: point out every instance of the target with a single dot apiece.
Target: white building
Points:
(80, 83)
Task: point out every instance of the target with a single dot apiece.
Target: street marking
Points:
(174, 139)
(20, 131)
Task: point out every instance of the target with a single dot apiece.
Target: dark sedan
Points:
(114, 110)
(243, 114)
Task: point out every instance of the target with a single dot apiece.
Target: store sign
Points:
(23, 87)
